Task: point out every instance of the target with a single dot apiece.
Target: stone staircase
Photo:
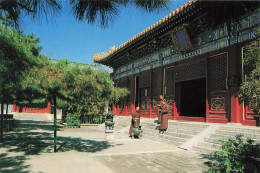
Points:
(211, 142)
(177, 133)
(196, 136)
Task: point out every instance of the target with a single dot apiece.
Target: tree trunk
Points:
(2, 120)
(55, 125)
(6, 108)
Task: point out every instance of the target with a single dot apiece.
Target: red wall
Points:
(35, 108)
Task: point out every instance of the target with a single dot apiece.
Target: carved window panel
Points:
(122, 83)
(170, 102)
(253, 105)
(218, 106)
(217, 103)
(217, 72)
(250, 105)
(145, 104)
(169, 82)
(154, 104)
(145, 92)
(145, 98)
(191, 70)
(156, 89)
(145, 80)
(129, 89)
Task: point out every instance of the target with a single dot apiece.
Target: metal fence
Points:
(92, 119)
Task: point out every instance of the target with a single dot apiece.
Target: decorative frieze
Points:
(243, 29)
(218, 104)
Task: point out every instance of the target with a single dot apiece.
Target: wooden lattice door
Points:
(217, 86)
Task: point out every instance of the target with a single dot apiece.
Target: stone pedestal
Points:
(109, 134)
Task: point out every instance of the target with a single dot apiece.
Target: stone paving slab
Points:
(165, 162)
(29, 148)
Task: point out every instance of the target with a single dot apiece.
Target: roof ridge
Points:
(98, 57)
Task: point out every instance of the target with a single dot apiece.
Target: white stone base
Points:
(110, 135)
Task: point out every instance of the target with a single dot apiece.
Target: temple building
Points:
(193, 57)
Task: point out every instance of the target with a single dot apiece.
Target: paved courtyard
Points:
(29, 148)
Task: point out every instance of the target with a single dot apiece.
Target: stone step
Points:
(178, 123)
(223, 136)
(158, 139)
(176, 134)
(216, 140)
(212, 140)
(184, 131)
(254, 130)
(204, 150)
(234, 133)
(209, 145)
(178, 129)
(164, 136)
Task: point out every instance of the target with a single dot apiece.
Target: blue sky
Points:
(66, 37)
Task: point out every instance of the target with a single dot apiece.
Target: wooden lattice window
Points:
(145, 98)
(129, 89)
(169, 81)
(191, 70)
(156, 90)
(145, 79)
(217, 72)
(122, 83)
(145, 92)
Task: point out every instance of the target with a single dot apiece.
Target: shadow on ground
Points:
(22, 139)
(211, 161)
(35, 143)
(12, 164)
(29, 125)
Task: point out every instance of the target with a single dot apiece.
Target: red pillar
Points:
(48, 107)
(131, 109)
(235, 106)
(113, 109)
(118, 110)
(207, 110)
(126, 110)
(175, 111)
(150, 114)
(14, 107)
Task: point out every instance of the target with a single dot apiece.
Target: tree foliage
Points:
(17, 9)
(29, 77)
(89, 89)
(100, 11)
(250, 88)
(18, 54)
(236, 155)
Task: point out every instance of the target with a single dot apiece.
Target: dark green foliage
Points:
(73, 120)
(105, 11)
(250, 87)
(100, 11)
(17, 9)
(236, 155)
(28, 77)
(18, 54)
(89, 90)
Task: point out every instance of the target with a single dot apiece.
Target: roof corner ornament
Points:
(103, 55)
(111, 49)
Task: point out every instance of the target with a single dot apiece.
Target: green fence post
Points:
(55, 125)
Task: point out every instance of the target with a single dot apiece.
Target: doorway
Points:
(193, 98)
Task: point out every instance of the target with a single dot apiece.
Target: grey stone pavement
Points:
(29, 148)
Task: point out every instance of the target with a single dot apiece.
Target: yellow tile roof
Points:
(113, 50)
